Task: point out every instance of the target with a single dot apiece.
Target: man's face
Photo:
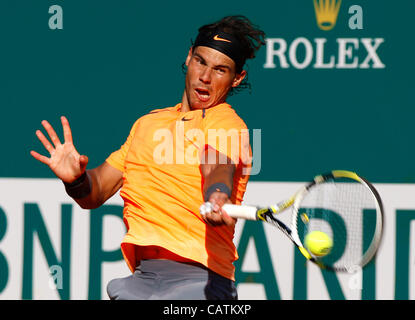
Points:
(210, 76)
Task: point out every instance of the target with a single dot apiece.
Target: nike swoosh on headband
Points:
(217, 38)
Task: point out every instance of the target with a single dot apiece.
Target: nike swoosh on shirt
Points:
(220, 39)
(185, 119)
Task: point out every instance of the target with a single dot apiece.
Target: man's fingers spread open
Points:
(39, 157)
(51, 132)
(67, 133)
(48, 146)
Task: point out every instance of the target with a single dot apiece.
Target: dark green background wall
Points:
(116, 60)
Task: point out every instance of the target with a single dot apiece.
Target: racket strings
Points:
(338, 210)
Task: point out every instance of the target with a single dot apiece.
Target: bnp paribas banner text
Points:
(52, 249)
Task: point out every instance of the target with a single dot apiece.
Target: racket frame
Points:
(268, 214)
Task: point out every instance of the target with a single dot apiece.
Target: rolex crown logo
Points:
(326, 13)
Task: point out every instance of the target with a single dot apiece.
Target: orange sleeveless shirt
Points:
(162, 184)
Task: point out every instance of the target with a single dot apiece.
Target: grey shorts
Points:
(171, 280)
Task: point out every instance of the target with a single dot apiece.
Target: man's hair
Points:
(248, 35)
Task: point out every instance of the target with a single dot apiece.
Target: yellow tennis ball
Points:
(319, 243)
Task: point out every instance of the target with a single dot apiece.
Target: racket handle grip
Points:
(243, 212)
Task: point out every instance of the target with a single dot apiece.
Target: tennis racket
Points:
(341, 204)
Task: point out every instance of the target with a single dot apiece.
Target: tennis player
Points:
(171, 250)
